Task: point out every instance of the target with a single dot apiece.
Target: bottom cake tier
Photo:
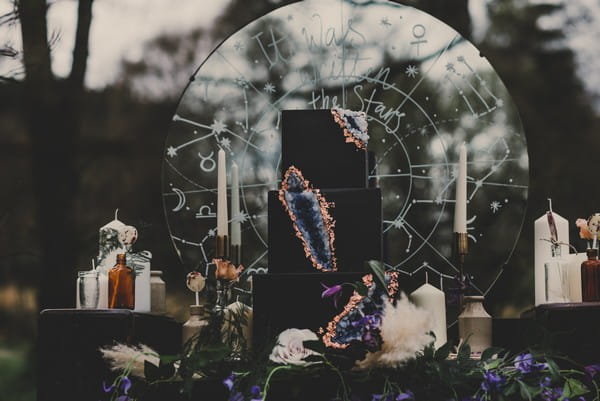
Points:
(283, 301)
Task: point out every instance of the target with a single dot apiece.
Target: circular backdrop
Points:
(425, 89)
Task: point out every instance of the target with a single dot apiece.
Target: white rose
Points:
(290, 348)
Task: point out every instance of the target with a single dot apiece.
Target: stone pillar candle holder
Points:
(475, 325)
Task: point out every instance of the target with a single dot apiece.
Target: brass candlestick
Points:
(460, 250)
(222, 247)
(236, 255)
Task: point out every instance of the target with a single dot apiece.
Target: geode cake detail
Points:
(309, 212)
(361, 317)
(354, 124)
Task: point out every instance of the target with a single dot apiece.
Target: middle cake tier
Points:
(357, 232)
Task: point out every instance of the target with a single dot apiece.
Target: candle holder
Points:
(222, 248)
(236, 254)
(461, 250)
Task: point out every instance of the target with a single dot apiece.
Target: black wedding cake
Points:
(324, 222)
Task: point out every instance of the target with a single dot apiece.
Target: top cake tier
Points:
(315, 143)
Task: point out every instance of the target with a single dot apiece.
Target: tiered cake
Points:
(324, 222)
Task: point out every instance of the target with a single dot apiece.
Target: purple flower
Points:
(237, 396)
(551, 394)
(124, 384)
(545, 382)
(380, 397)
(229, 381)
(526, 364)
(491, 381)
(372, 339)
(407, 396)
(592, 370)
(333, 291)
(107, 389)
(255, 393)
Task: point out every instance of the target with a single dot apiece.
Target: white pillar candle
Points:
(236, 227)
(434, 301)
(460, 207)
(221, 195)
(575, 260)
(543, 250)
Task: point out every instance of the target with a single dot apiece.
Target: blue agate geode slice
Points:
(312, 223)
(354, 124)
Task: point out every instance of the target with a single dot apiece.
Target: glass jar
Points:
(590, 277)
(121, 285)
(89, 289)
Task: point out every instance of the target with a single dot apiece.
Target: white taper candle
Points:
(221, 195)
(460, 207)
(236, 225)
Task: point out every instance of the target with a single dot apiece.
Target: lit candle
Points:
(221, 195)
(460, 207)
(236, 229)
(434, 301)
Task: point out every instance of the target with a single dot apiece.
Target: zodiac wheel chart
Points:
(425, 90)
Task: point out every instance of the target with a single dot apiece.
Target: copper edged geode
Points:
(354, 124)
(309, 212)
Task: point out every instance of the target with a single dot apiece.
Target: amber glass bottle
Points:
(121, 285)
(590, 277)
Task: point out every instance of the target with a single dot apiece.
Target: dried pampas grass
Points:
(130, 358)
(404, 330)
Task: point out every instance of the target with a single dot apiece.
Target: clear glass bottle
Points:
(556, 277)
(590, 277)
(121, 285)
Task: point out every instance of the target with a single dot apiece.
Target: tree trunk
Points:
(52, 114)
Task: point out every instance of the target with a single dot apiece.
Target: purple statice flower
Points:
(229, 381)
(525, 363)
(406, 396)
(492, 381)
(334, 291)
(255, 393)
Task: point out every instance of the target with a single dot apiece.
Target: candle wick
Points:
(117, 214)
(426, 277)
(93, 264)
(550, 204)
(441, 283)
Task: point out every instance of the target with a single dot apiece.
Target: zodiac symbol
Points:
(181, 199)
(205, 213)
(418, 32)
(207, 159)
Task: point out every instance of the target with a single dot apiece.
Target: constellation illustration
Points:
(433, 93)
